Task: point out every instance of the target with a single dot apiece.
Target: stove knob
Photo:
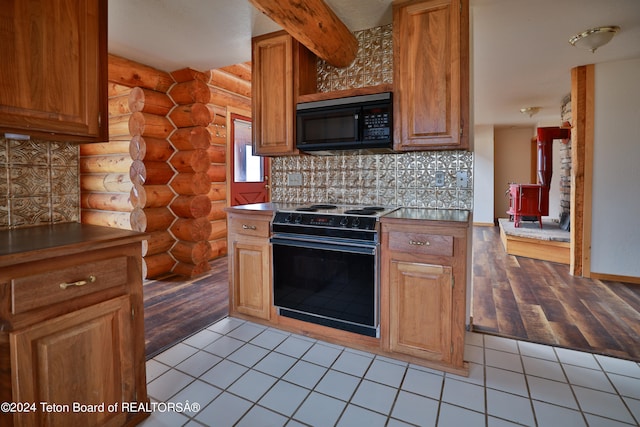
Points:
(344, 221)
(298, 219)
(355, 223)
(289, 218)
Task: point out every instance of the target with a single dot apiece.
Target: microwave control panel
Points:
(376, 123)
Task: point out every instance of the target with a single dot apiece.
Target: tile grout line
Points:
(398, 388)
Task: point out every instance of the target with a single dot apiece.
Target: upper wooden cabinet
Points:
(282, 69)
(431, 74)
(53, 72)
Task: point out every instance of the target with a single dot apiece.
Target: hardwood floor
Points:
(514, 297)
(175, 308)
(540, 301)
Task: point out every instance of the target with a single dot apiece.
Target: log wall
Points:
(191, 184)
(164, 169)
(229, 87)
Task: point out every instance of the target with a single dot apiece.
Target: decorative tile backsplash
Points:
(405, 179)
(39, 182)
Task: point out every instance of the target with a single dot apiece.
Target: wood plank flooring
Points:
(540, 301)
(175, 308)
(516, 297)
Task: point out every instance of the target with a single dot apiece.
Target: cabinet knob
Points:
(417, 243)
(89, 279)
(248, 227)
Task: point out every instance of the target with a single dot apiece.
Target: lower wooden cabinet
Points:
(249, 265)
(420, 298)
(72, 327)
(423, 290)
(79, 363)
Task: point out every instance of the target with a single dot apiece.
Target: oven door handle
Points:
(359, 249)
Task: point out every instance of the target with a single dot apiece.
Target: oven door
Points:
(328, 283)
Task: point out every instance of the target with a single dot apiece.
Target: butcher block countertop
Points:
(44, 241)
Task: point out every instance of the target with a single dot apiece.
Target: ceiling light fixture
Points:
(594, 38)
(530, 110)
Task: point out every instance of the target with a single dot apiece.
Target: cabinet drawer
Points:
(250, 227)
(421, 243)
(56, 286)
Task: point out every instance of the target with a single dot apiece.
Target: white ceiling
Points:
(520, 51)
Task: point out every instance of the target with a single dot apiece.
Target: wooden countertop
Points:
(33, 243)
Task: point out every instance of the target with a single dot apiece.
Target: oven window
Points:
(333, 284)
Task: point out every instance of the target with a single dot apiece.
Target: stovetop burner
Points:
(335, 209)
(363, 211)
(314, 208)
(357, 222)
(324, 206)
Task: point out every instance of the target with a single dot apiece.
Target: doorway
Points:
(249, 180)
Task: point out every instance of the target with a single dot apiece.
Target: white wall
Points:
(512, 163)
(615, 232)
(483, 175)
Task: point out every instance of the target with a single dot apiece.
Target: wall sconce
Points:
(531, 111)
(594, 38)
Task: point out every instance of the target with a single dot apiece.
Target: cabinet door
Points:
(251, 284)
(431, 63)
(85, 357)
(53, 68)
(273, 95)
(420, 297)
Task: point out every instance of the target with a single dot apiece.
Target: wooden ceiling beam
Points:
(315, 25)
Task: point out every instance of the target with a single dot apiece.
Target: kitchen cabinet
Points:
(420, 307)
(72, 340)
(423, 287)
(282, 69)
(431, 74)
(249, 264)
(54, 69)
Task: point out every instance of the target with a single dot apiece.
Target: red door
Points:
(249, 173)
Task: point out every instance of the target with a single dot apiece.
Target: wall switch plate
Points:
(439, 179)
(294, 179)
(462, 180)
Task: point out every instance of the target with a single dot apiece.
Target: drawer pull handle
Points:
(417, 243)
(90, 279)
(248, 227)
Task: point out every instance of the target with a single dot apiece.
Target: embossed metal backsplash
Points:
(39, 183)
(405, 179)
(372, 66)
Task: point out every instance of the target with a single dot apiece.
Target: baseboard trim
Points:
(616, 278)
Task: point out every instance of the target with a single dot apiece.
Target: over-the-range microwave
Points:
(362, 122)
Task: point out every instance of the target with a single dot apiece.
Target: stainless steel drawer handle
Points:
(417, 243)
(248, 227)
(90, 279)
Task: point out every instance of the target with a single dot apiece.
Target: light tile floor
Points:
(245, 374)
